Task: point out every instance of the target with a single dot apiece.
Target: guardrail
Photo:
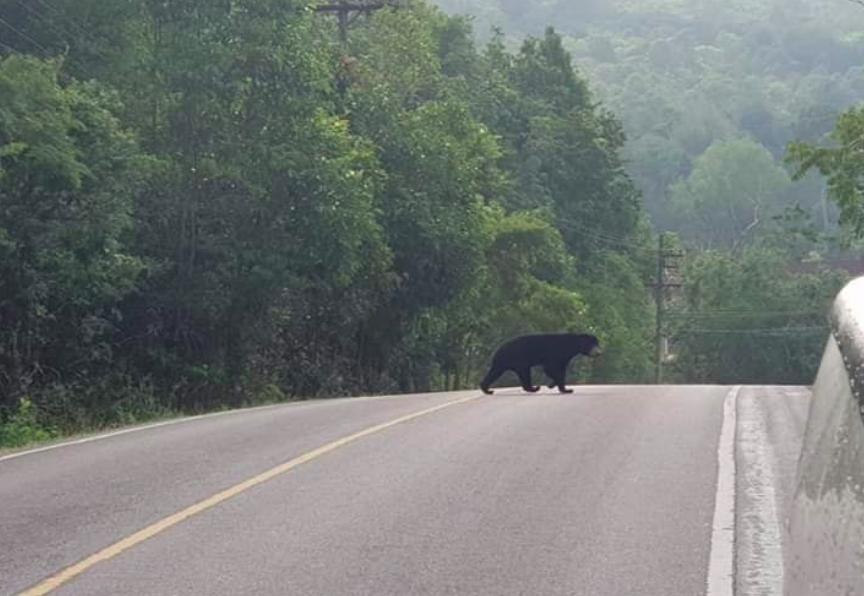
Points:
(825, 554)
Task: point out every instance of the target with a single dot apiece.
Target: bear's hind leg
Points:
(490, 378)
(525, 379)
(550, 372)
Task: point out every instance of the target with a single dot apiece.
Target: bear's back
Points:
(531, 350)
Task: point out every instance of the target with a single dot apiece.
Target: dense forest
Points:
(707, 87)
(208, 204)
(711, 94)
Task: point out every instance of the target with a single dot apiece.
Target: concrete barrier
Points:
(825, 554)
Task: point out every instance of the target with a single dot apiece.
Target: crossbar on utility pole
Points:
(346, 9)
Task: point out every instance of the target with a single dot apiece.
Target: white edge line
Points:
(134, 429)
(761, 532)
(181, 420)
(721, 565)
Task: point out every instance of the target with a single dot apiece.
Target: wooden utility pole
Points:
(660, 286)
(348, 10)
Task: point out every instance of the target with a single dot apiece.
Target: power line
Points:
(43, 19)
(25, 36)
(745, 314)
(69, 32)
(63, 35)
(10, 48)
(602, 242)
(735, 311)
(605, 238)
(62, 15)
(779, 331)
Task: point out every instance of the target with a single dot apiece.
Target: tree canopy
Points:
(210, 204)
(224, 203)
(684, 75)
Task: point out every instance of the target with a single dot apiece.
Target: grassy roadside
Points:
(31, 435)
(23, 431)
(22, 434)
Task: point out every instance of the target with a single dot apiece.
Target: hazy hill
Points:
(686, 74)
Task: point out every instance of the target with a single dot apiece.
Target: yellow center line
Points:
(55, 581)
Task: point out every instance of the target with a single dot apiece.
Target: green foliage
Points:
(67, 183)
(22, 427)
(525, 248)
(710, 94)
(683, 75)
(526, 276)
(621, 315)
(238, 207)
(522, 288)
(734, 189)
(109, 399)
(749, 313)
(842, 164)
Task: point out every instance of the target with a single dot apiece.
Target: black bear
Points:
(552, 351)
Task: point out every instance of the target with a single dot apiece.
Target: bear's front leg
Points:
(557, 371)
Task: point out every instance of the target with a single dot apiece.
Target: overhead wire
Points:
(10, 48)
(584, 228)
(23, 35)
(714, 315)
(39, 16)
(62, 33)
(619, 243)
(63, 16)
(779, 331)
(706, 316)
(745, 314)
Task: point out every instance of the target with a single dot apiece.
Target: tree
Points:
(522, 288)
(263, 202)
(441, 167)
(245, 207)
(564, 150)
(67, 183)
(734, 188)
(843, 164)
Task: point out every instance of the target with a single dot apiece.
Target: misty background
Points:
(707, 90)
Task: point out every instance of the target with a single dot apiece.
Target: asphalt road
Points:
(609, 491)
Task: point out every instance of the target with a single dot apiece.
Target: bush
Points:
(103, 402)
(23, 427)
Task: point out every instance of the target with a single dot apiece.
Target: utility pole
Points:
(660, 286)
(348, 10)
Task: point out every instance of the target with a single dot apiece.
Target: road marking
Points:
(52, 583)
(135, 429)
(127, 431)
(760, 541)
(721, 565)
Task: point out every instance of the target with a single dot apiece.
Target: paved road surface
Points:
(609, 491)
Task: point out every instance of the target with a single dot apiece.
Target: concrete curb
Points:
(826, 524)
